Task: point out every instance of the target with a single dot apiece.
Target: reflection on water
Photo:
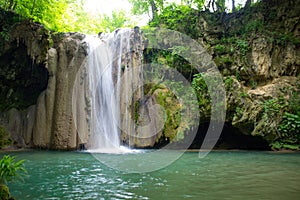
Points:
(118, 150)
(220, 175)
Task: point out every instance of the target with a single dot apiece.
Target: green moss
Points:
(256, 25)
(5, 140)
(239, 112)
(172, 107)
(136, 111)
(283, 39)
(200, 86)
(228, 83)
(224, 60)
(4, 192)
(243, 94)
(220, 49)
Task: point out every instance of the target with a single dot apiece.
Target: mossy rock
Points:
(4, 192)
(5, 139)
(172, 106)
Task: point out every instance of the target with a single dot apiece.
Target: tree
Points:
(117, 20)
(248, 4)
(233, 6)
(47, 12)
(216, 5)
(142, 7)
(66, 15)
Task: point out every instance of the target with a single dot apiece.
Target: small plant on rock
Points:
(10, 170)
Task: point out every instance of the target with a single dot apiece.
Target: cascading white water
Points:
(104, 72)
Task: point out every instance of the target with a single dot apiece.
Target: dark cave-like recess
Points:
(21, 78)
(230, 138)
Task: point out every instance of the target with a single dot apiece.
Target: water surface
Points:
(219, 175)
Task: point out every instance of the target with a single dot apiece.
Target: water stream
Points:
(104, 73)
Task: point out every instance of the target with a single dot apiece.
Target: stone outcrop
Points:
(54, 126)
(257, 51)
(49, 123)
(260, 72)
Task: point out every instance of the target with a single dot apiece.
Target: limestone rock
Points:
(48, 124)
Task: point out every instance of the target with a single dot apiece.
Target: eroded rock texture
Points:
(43, 67)
(260, 72)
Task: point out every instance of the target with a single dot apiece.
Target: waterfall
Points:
(104, 73)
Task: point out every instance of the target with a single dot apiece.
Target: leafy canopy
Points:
(66, 15)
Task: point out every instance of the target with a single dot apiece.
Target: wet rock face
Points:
(21, 78)
(39, 69)
(23, 73)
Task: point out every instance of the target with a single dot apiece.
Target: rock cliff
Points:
(255, 49)
(55, 59)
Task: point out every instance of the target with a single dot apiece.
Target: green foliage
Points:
(117, 20)
(242, 46)
(201, 89)
(11, 170)
(290, 125)
(283, 39)
(171, 59)
(282, 145)
(272, 107)
(286, 115)
(136, 111)
(243, 94)
(220, 5)
(239, 112)
(195, 3)
(173, 129)
(65, 16)
(181, 18)
(4, 34)
(255, 25)
(227, 48)
(143, 6)
(184, 92)
(157, 7)
(4, 138)
(228, 83)
(220, 49)
(199, 84)
(294, 103)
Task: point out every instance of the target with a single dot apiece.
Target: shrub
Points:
(10, 169)
(289, 130)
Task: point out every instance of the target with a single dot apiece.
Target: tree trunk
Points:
(248, 4)
(233, 6)
(154, 9)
